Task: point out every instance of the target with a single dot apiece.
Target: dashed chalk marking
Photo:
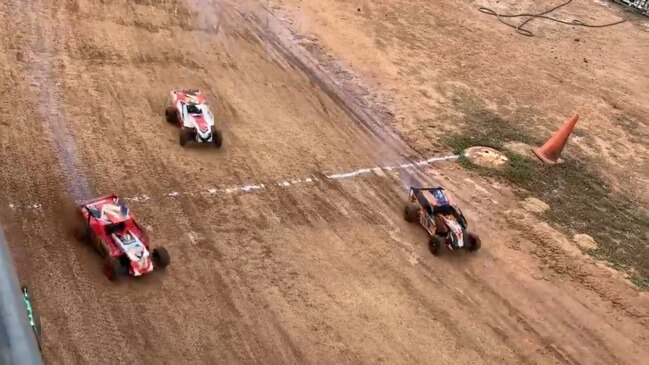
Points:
(247, 188)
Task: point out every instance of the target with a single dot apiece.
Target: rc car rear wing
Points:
(96, 200)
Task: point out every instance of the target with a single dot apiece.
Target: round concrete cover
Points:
(486, 157)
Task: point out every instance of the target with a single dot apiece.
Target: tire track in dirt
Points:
(348, 197)
(552, 349)
(365, 215)
(280, 39)
(246, 18)
(177, 184)
(50, 248)
(34, 170)
(46, 87)
(185, 209)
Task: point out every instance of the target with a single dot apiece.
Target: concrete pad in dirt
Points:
(486, 157)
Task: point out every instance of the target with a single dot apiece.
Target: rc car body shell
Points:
(191, 112)
(437, 214)
(111, 228)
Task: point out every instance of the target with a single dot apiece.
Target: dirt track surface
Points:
(326, 271)
(435, 60)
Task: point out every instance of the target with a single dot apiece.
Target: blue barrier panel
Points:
(18, 343)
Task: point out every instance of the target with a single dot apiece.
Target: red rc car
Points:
(111, 228)
(191, 112)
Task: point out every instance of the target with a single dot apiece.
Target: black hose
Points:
(542, 15)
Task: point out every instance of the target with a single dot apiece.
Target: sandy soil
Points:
(421, 59)
(319, 272)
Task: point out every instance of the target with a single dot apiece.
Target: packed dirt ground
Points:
(325, 271)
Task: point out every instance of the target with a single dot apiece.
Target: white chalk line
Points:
(248, 188)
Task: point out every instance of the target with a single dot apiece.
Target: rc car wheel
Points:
(411, 212)
(473, 242)
(172, 116)
(112, 268)
(217, 138)
(98, 245)
(185, 136)
(160, 257)
(435, 244)
(81, 232)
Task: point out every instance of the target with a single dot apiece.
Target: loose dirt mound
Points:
(535, 205)
(585, 241)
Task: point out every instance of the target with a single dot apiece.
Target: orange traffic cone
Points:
(550, 151)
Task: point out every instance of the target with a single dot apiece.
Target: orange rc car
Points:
(445, 224)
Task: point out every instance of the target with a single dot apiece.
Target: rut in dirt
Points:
(256, 21)
(48, 96)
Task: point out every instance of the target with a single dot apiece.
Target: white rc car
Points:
(191, 113)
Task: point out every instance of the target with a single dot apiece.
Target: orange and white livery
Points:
(445, 223)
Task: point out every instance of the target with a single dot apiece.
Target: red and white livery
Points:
(111, 228)
(192, 114)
